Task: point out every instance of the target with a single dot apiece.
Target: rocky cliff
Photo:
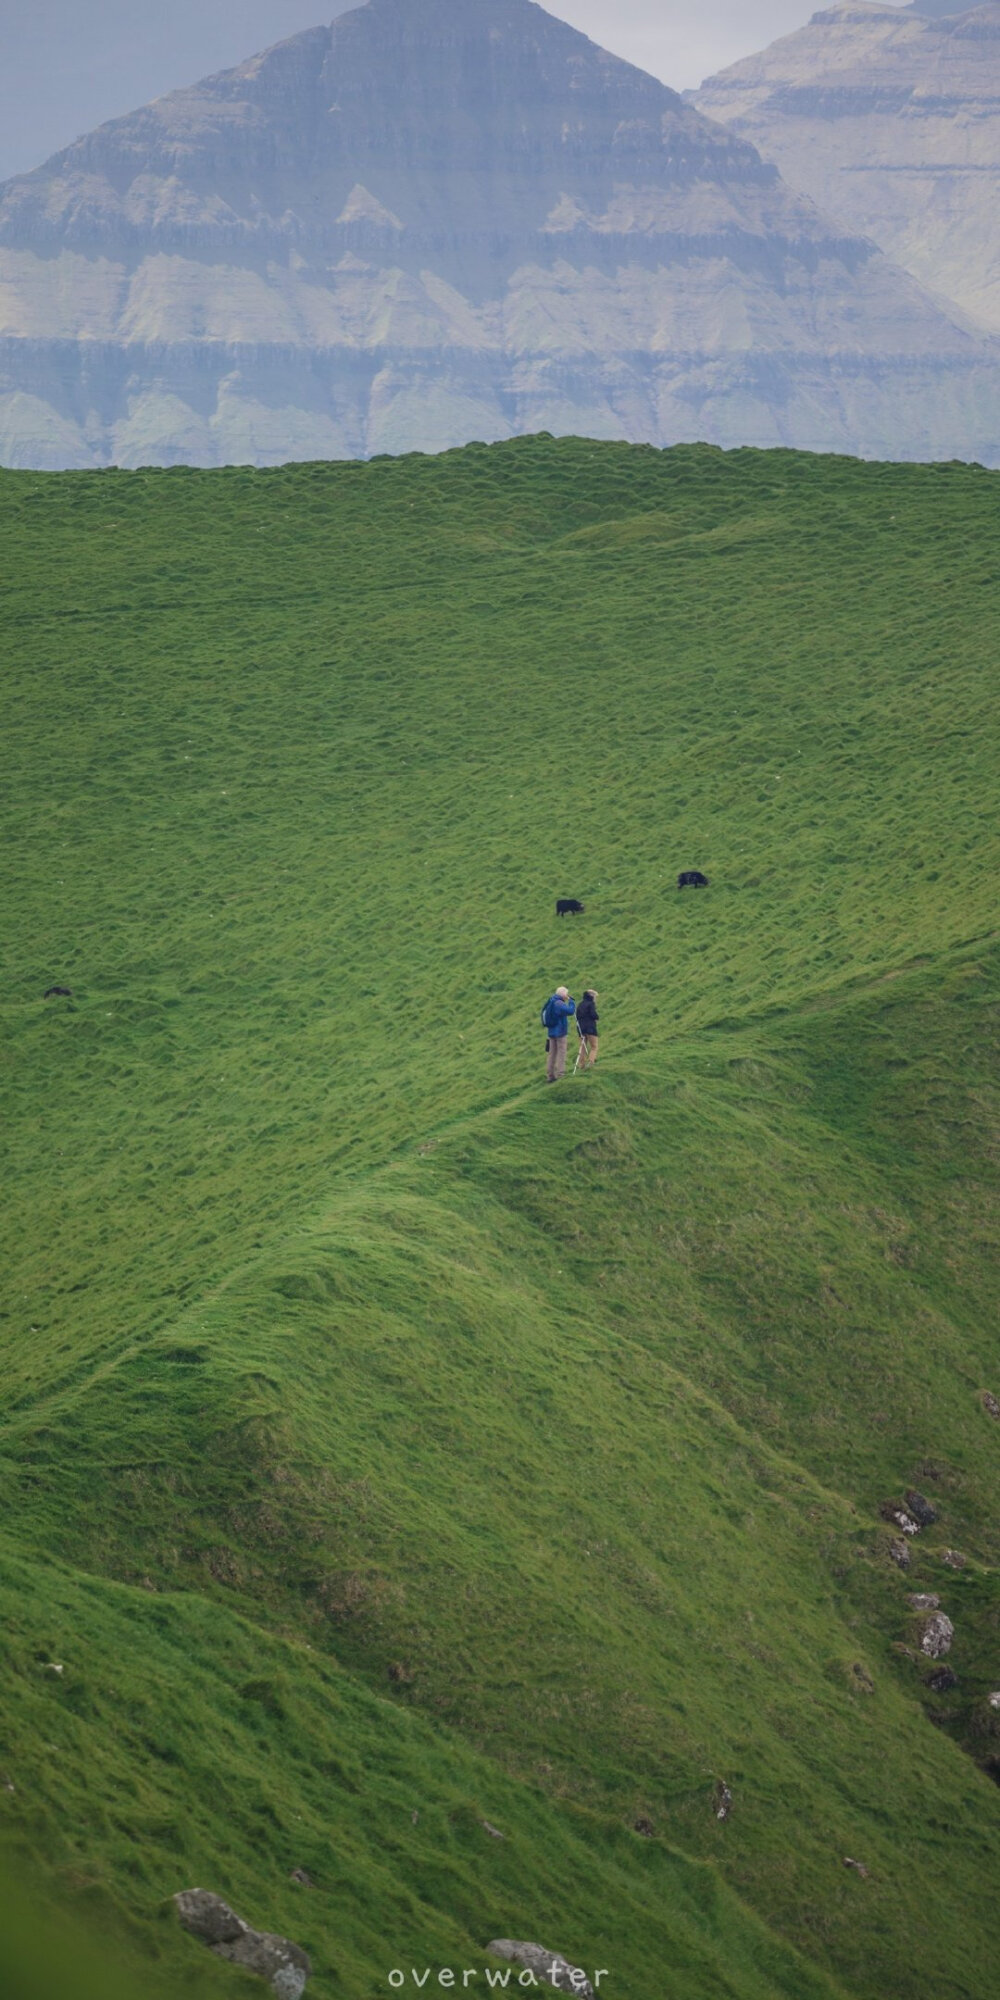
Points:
(437, 220)
(892, 120)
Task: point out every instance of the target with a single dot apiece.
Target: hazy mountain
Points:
(892, 119)
(437, 220)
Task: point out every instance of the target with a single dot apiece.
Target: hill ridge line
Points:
(355, 1179)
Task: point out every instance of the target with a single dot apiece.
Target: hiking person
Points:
(587, 1018)
(556, 1016)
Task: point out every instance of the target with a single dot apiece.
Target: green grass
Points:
(386, 1434)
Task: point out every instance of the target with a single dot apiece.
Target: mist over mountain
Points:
(892, 120)
(437, 220)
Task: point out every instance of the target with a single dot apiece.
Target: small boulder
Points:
(645, 1827)
(302, 1877)
(994, 1700)
(549, 1967)
(941, 1681)
(493, 1831)
(899, 1553)
(275, 1959)
(282, 1964)
(891, 1511)
(723, 1805)
(923, 1513)
(925, 1600)
(952, 1559)
(936, 1635)
(858, 1866)
(207, 1917)
(991, 1404)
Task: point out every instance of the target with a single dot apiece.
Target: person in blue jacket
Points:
(559, 1012)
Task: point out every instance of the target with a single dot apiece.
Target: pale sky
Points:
(66, 65)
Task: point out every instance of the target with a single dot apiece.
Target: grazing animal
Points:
(568, 906)
(57, 993)
(692, 878)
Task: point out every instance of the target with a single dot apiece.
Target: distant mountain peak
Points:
(434, 220)
(361, 206)
(936, 10)
(891, 117)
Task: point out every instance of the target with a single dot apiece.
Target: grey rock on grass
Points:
(210, 1919)
(900, 1518)
(549, 1967)
(207, 1917)
(275, 1959)
(921, 1509)
(936, 1635)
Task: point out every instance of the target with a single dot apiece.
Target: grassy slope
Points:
(573, 1410)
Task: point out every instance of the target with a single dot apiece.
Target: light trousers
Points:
(556, 1062)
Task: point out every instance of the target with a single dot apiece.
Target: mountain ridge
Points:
(429, 222)
(894, 118)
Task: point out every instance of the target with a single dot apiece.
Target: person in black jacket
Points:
(587, 1018)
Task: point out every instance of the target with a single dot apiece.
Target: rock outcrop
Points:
(936, 1636)
(922, 1509)
(549, 1968)
(439, 220)
(941, 1681)
(891, 118)
(283, 1964)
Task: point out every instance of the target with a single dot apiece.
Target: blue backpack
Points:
(546, 1023)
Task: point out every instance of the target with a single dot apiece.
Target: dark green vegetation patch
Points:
(390, 1444)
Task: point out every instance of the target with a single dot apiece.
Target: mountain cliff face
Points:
(892, 119)
(438, 220)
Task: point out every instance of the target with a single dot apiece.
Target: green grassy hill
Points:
(391, 1444)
